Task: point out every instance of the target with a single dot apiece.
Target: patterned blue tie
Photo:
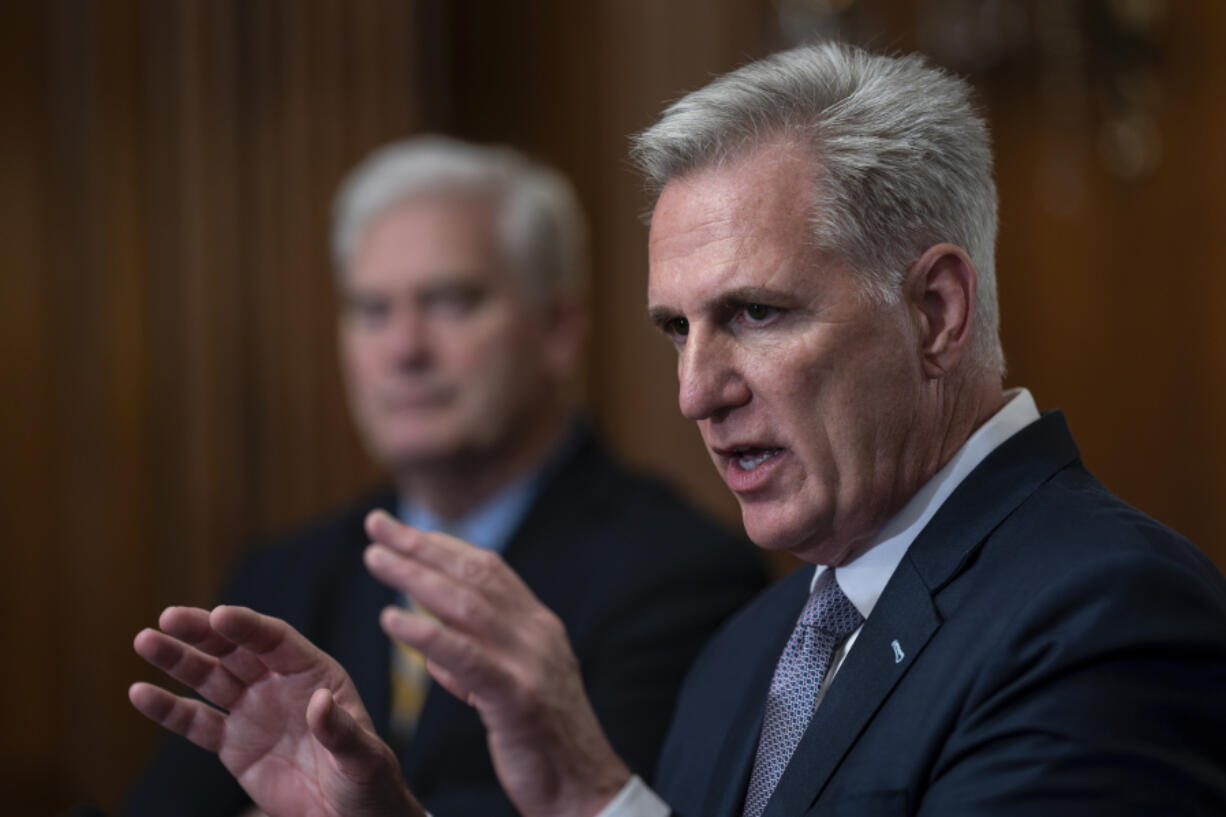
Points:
(827, 618)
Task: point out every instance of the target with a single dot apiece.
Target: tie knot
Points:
(829, 609)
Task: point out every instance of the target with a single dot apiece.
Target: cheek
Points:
(495, 363)
(470, 348)
(359, 368)
(803, 391)
(824, 406)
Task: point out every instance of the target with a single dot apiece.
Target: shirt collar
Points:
(864, 579)
(488, 526)
(492, 524)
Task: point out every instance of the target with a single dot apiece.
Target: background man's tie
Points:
(409, 684)
(827, 618)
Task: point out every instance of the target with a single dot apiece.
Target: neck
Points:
(457, 486)
(961, 408)
(965, 409)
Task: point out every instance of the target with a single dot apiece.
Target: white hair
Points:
(902, 161)
(542, 233)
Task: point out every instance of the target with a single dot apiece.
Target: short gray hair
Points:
(902, 161)
(542, 232)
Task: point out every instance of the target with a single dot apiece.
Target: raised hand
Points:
(290, 728)
(491, 643)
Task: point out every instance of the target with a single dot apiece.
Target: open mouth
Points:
(747, 459)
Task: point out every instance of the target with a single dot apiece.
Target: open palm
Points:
(290, 728)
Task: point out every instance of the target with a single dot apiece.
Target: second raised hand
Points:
(494, 645)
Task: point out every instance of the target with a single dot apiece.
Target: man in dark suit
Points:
(460, 275)
(987, 630)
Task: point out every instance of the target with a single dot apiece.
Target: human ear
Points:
(942, 287)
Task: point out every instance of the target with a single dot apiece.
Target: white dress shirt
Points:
(864, 579)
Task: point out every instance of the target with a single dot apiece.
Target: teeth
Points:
(750, 463)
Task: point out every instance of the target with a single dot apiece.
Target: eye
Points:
(677, 327)
(453, 301)
(367, 310)
(759, 313)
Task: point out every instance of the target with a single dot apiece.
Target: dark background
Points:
(166, 334)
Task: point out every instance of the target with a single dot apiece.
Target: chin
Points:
(417, 455)
(807, 539)
(770, 533)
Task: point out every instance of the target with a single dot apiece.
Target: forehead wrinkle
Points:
(717, 233)
(672, 258)
(713, 228)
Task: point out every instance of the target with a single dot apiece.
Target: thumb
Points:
(372, 780)
(359, 754)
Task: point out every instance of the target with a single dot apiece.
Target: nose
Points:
(710, 383)
(408, 338)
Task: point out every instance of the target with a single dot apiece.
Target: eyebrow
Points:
(754, 295)
(661, 315)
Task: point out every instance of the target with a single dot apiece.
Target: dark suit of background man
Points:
(987, 630)
(460, 272)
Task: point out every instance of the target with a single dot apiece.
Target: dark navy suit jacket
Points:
(1061, 654)
(639, 579)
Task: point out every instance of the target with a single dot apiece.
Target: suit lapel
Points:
(908, 613)
(882, 654)
(1002, 482)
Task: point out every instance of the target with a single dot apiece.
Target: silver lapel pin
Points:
(898, 655)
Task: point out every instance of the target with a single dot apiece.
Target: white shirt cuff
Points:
(636, 800)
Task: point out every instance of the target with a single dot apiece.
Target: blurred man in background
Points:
(461, 279)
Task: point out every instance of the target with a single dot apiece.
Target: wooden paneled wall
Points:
(166, 316)
(1112, 289)
(171, 387)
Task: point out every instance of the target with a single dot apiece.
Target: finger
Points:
(456, 661)
(270, 641)
(194, 720)
(189, 666)
(399, 625)
(449, 682)
(479, 612)
(360, 757)
(244, 665)
(191, 625)
(444, 553)
(398, 572)
(469, 566)
(359, 754)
